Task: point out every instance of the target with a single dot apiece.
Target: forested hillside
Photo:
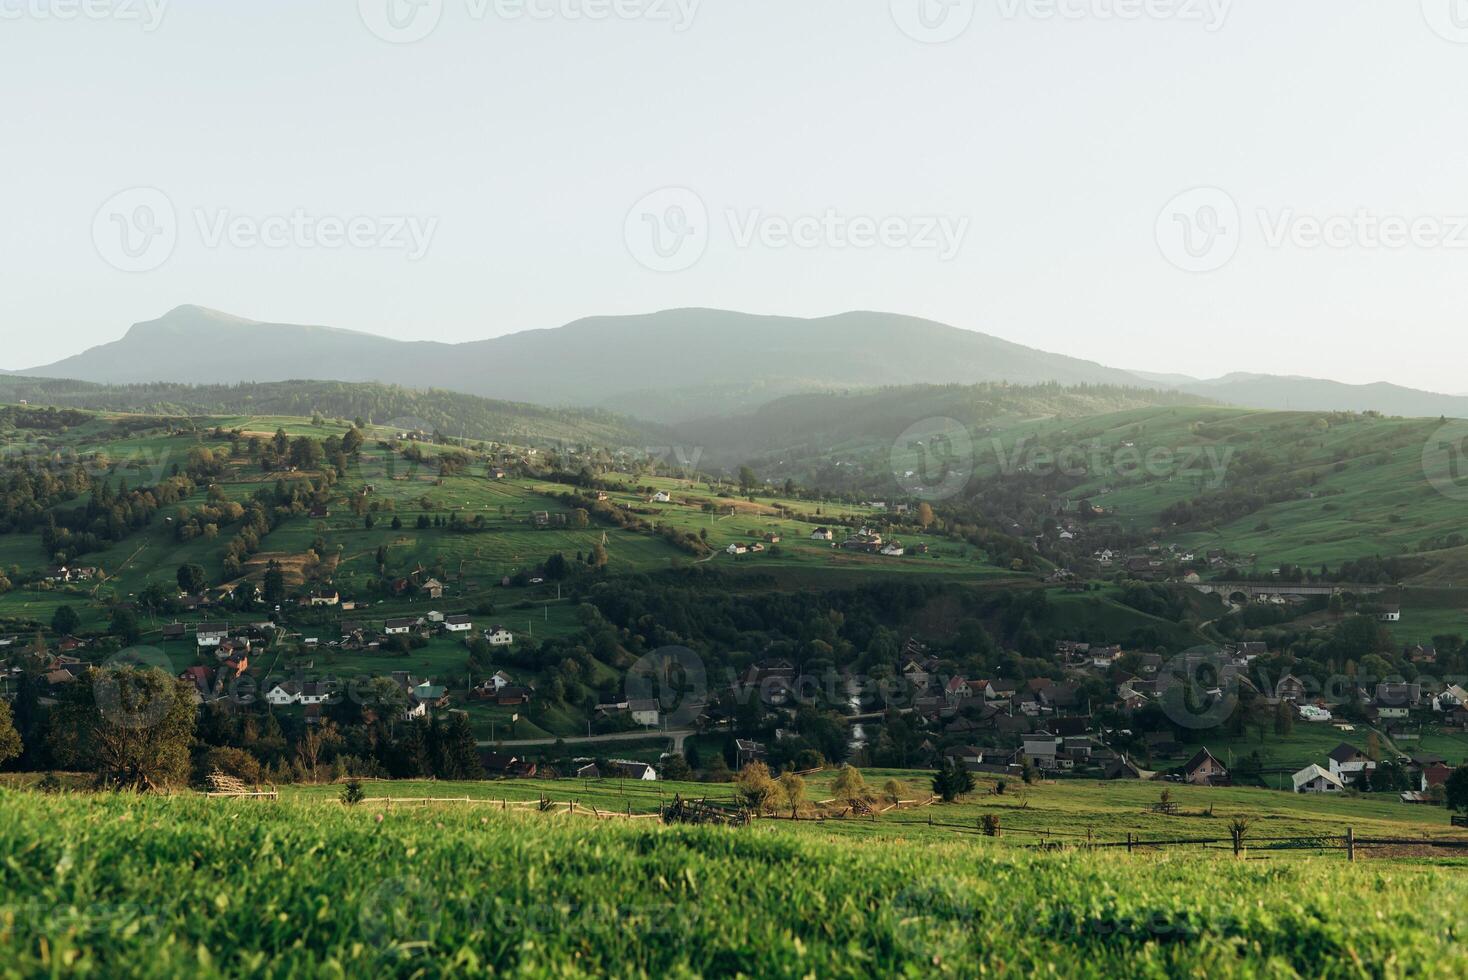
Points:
(453, 414)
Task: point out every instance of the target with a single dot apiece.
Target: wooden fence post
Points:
(1350, 844)
(1129, 842)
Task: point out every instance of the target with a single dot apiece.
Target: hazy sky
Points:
(511, 169)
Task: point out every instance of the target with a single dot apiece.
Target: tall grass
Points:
(111, 886)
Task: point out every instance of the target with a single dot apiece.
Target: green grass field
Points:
(182, 886)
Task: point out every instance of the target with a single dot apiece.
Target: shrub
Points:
(353, 793)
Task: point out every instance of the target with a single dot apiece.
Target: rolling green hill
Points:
(1303, 488)
(455, 415)
(817, 426)
(183, 886)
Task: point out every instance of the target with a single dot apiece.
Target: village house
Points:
(1398, 694)
(293, 692)
(823, 534)
(1452, 697)
(1429, 769)
(230, 647)
(971, 757)
(433, 589)
(1204, 769)
(1421, 654)
(661, 497)
(325, 598)
(644, 712)
(1289, 688)
(627, 769)
(458, 624)
(1000, 689)
(957, 689)
(399, 627)
(1122, 768)
(915, 672)
(211, 634)
(865, 541)
(1040, 750)
(1350, 764)
(202, 683)
(1313, 779)
(748, 751)
(512, 696)
(498, 636)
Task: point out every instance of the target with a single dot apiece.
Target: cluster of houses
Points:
(70, 574)
(360, 635)
(1394, 706)
(868, 541)
(501, 689)
(1348, 767)
(1156, 561)
(212, 684)
(1048, 724)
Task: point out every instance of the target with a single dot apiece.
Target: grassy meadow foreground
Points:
(169, 886)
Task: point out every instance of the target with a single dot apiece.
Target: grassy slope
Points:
(173, 887)
(1371, 495)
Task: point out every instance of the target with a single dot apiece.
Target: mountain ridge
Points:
(669, 366)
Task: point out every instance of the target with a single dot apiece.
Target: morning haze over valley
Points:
(663, 488)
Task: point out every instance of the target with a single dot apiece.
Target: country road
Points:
(677, 736)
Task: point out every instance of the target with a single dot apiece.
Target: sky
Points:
(1192, 186)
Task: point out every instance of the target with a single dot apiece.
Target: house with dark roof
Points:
(632, 770)
(1349, 763)
(1121, 768)
(1204, 769)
